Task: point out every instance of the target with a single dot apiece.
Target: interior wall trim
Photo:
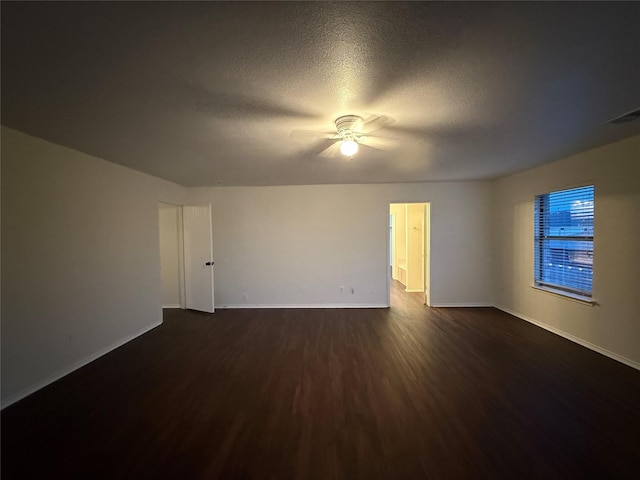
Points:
(469, 305)
(568, 336)
(320, 305)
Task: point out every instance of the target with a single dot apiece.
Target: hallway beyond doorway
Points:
(403, 300)
(409, 248)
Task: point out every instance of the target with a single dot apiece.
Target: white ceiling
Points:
(210, 93)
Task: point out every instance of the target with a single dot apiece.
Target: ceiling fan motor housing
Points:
(345, 124)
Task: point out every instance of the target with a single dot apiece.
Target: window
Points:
(564, 241)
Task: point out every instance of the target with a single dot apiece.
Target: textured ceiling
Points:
(210, 93)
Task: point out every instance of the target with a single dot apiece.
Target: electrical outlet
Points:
(353, 291)
(245, 297)
(341, 289)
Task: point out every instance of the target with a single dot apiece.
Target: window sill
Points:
(566, 295)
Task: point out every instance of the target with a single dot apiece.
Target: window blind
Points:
(564, 240)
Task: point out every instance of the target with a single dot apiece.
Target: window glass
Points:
(564, 240)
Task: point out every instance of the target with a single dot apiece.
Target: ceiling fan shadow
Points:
(231, 102)
(234, 105)
(306, 134)
(432, 31)
(438, 133)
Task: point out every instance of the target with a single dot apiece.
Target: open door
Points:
(198, 258)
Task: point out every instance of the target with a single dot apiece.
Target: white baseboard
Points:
(323, 305)
(466, 305)
(177, 305)
(573, 338)
(76, 365)
(343, 305)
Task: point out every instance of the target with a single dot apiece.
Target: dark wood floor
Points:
(400, 393)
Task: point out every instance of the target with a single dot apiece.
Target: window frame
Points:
(540, 244)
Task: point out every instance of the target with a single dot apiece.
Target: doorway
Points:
(171, 255)
(186, 256)
(409, 253)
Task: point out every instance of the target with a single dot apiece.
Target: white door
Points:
(198, 258)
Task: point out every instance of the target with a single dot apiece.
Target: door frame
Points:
(182, 254)
(426, 251)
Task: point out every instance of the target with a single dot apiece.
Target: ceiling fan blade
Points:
(375, 122)
(319, 147)
(331, 151)
(378, 143)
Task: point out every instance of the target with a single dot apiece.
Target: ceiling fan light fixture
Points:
(349, 147)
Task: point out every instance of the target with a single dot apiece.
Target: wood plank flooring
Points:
(409, 392)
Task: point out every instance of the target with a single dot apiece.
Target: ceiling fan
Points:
(352, 131)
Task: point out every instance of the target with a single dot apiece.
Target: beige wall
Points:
(80, 259)
(613, 325)
(296, 245)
